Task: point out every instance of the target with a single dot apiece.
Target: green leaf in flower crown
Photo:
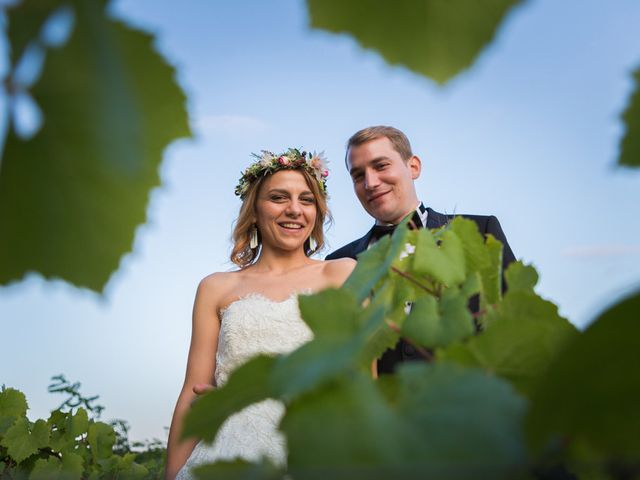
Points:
(72, 196)
(437, 39)
(101, 440)
(522, 336)
(239, 470)
(248, 384)
(445, 262)
(374, 263)
(23, 439)
(434, 323)
(13, 404)
(630, 143)
(481, 255)
(590, 393)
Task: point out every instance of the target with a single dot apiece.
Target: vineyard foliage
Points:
(73, 191)
(72, 443)
(494, 404)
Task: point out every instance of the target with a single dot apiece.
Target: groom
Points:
(383, 169)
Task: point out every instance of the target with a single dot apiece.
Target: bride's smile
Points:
(285, 211)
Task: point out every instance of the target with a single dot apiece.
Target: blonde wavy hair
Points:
(242, 254)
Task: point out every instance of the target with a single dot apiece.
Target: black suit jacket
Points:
(486, 224)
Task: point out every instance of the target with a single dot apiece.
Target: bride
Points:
(254, 309)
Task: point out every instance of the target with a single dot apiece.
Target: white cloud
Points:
(601, 250)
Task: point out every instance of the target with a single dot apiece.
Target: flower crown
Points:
(293, 159)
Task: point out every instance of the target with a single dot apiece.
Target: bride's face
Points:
(285, 210)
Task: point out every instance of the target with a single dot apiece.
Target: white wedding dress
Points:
(250, 326)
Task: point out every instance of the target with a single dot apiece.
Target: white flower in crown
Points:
(318, 162)
(266, 159)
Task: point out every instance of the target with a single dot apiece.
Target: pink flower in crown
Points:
(325, 173)
(283, 160)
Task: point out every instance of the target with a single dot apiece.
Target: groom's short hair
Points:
(398, 139)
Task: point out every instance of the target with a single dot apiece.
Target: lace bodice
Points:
(251, 326)
(256, 324)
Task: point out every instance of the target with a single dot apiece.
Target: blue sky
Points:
(529, 134)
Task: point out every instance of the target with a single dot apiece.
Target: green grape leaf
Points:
(72, 466)
(101, 440)
(437, 39)
(248, 384)
(239, 470)
(523, 335)
(23, 440)
(374, 263)
(433, 420)
(77, 424)
(630, 143)
(481, 255)
(330, 313)
(466, 420)
(341, 427)
(72, 196)
(520, 277)
(128, 469)
(445, 262)
(434, 323)
(591, 390)
(46, 468)
(13, 404)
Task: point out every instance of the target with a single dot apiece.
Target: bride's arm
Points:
(200, 369)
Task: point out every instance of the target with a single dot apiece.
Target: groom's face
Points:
(382, 180)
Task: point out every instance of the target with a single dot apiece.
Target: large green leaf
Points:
(24, 439)
(248, 384)
(434, 422)
(523, 334)
(630, 144)
(435, 38)
(72, 196)
(13, 404)
(434, 323)
(101, 440)
(442, 260)
(592, 390)
(238, 470)
(374, 263)
(470, 423)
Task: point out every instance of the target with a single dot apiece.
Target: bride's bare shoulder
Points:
(339, 270)
(217, 284)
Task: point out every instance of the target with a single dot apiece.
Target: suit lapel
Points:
(435, 219)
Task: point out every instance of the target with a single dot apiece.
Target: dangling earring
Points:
(253, 237)
(313, 245)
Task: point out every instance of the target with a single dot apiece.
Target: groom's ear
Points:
(415, 166)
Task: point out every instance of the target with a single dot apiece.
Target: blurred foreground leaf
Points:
(435, 38)
(592, 390)
(72, 196)
(630, 144)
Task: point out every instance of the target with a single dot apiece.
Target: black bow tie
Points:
(380, 231)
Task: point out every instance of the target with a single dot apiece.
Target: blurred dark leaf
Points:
(72, 196)
(630, 144)
(435, 38)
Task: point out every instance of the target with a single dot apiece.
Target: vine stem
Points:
(426, 354)
(413, 280)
